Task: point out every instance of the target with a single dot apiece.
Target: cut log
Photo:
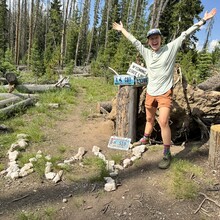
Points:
(214, 146)
(104, 105)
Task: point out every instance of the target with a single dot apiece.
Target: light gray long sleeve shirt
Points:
(160, 64)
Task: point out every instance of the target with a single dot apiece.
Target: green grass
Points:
(97, 168)
(181, 184)
(96, 89)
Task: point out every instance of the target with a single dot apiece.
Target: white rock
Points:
(26, 167)
(58, 176)
(69, 161)
(13, 155)
(33, 159)
(127, 162)
(24, 173)
(101, 156)
(13, 168)
(38, 156)
(14, 175)
(114, 174)
(95, 150)
(48, 167)
(50, 175)
(14, 146)
(133, 158)
(48, 157)
(110, 165)
(22, 136)
(22, 143)
(119, 167)
(65, 200)
(139, 150)
(79, 155)
(110, 185)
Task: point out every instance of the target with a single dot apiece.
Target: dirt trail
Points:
(141, 194)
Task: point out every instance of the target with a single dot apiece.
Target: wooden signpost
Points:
(127, 100)
(214, 146)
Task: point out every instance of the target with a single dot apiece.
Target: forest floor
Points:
(142, 189)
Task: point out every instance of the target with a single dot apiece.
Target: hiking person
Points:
(160, 61)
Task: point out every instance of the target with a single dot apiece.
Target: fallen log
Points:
(20, 95)
(7, 111)
(107, 106)
(33, 88)
(6, 102)
(211, 84)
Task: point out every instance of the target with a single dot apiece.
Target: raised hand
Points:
(117, 26)
(209, 15)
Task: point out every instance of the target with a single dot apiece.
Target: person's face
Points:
(154, 41)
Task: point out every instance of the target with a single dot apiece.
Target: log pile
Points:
(14, 102)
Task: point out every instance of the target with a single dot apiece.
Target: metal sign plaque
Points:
(119, 143)
(137, 70)
(123, 80)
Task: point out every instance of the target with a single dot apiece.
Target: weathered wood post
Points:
(214, 146)
(127, 100)
(126, 112)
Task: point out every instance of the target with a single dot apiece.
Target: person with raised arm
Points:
(160, 62)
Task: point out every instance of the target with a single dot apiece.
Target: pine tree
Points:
(53, 36)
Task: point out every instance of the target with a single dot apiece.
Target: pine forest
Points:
(45, 35)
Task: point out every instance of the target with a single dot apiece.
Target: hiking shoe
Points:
(142, 141)
(165, 162)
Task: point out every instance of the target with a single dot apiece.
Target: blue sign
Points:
(120, 143)
(123, 80)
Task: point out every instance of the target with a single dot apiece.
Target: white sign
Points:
(137, 70)
(119, 143)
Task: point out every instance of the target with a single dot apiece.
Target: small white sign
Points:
(137, 70)
(120, 143)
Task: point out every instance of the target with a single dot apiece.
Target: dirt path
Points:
(142, 188)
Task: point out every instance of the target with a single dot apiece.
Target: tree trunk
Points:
(214, 146)
(17, 36)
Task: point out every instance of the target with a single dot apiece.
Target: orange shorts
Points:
(164, 100)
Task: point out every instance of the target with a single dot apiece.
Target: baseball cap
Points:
(153, 32)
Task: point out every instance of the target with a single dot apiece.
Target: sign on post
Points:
(120, 143)
(137, 70)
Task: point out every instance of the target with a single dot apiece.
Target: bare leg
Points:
(164, 125)
(150, 116)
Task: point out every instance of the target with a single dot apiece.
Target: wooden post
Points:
(214, 146)
(126, 112)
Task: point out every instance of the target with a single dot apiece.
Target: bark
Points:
(17, 36)
(32, 88)
(9, 101)
(212, 83)
(63, 39)
(104, 105)
(214, 147)
(20, 106)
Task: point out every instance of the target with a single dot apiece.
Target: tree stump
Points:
(214, 146)
(126, 112)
